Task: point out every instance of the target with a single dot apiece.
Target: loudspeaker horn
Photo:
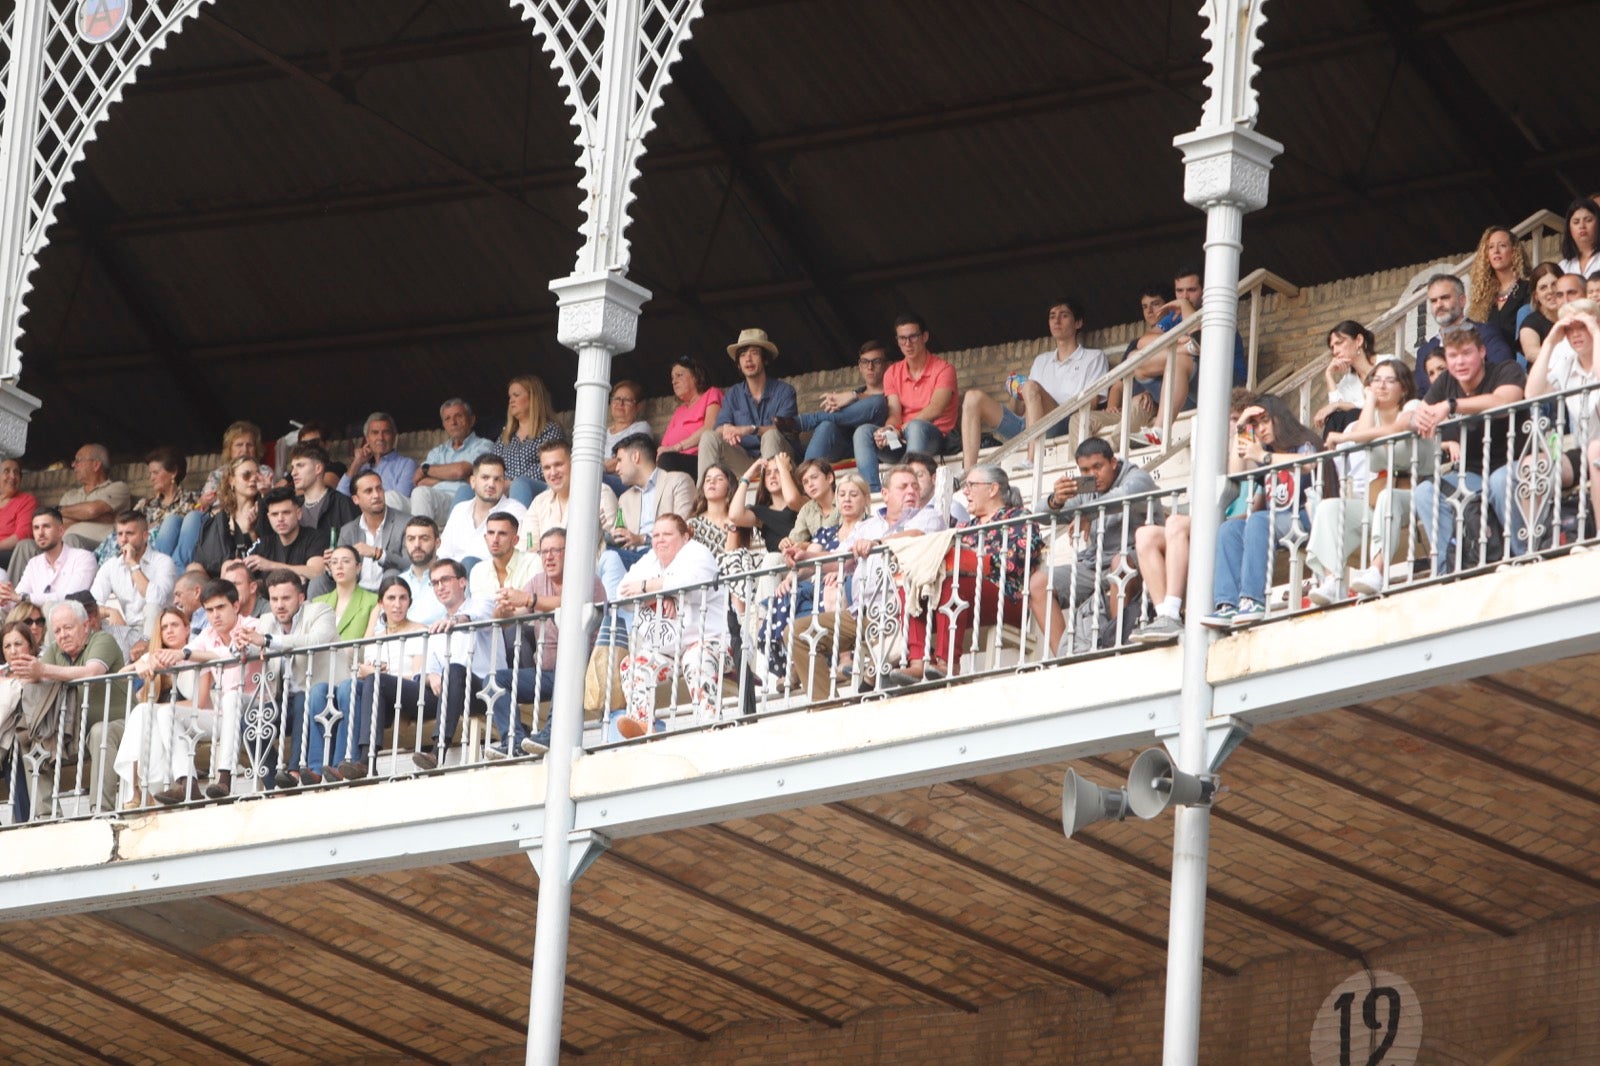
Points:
(1083, 803)
(1154, 784)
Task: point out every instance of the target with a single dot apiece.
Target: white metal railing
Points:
(1303, 382)
(322, 714)
(1373, 519)
(1253, 285)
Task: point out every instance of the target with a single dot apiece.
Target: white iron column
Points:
(599, 319)
(17, 126)
(1226, 164)
(1226, 175)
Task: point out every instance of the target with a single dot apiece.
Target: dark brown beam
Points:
(44, 1032)
(1495, 760)
(922, 914)
(201, 963)
(98, 992)
(1419, 814)
(1250, 911)
(308, 942)
(1016, 884)
(682, 958)
(1536, 702)
(1388, 884)
(772, 925)
(439, 925)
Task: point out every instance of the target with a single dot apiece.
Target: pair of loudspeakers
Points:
(1154, 784)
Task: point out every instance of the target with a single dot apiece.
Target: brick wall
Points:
(1478, 995)
(1293, 331)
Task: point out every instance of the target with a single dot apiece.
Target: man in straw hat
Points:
(747, 424)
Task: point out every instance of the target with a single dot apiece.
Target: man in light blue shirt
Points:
(441, 480)
(376, 452)
(747, 425)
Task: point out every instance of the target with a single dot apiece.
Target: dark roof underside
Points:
(306, 210)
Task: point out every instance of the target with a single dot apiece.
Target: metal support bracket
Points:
(1223, 735)
(584, 846)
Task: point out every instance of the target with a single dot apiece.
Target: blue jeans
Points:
(831, 430)
(919, 436)
(177, 535)
(1440, 517)
(525, 488)
(1244, 552)
(1012, 423)
(1502, 496)
(527, 685)
(460, 694)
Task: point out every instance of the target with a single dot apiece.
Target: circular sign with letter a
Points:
(101, 20)
(1371, 1019)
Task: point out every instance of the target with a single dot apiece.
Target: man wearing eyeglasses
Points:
(460, 663)
(842, 411)
(921, 390)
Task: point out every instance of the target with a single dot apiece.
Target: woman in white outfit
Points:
(1380, 497)
(144, 758)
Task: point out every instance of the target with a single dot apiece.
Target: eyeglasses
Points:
(969, 483)
(907, 338)
(872, 362)
(623, 400)
(440, 582)
(552, 551)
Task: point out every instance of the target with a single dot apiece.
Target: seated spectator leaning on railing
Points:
(686, 633)
(535, 675)
(832, 429)
(76, 654)
(1109, 543)
(1266, 433)
(1057, 376)
(825, 632)
(1447, 305)
(1471, 385)
(461, 666)
(922, 394)
(988, 569)
(747, 424)
(1565, 361)
(441, 481)
(506, 566)
(292, 623)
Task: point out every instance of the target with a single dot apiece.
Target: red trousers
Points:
(980, 602)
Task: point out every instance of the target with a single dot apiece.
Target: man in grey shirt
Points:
(1102, 478)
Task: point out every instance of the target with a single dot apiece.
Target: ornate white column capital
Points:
(598, 310)
(16, 410)
(1226, 166)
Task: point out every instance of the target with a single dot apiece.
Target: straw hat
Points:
(748, 338)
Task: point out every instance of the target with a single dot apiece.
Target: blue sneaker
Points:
(538, 743)
(1222, 617)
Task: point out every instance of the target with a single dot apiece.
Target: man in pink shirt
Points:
(921, 390)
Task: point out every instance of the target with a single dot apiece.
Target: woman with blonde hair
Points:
(144, 759)
(241, 440)
(530, 423)
(1498, 283)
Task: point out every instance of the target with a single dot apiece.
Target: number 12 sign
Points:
(1372, 1019)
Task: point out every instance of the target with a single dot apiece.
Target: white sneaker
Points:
(1328, 593)
(1368, 582)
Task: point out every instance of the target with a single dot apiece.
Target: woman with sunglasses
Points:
(1382, 496)
(699, 403)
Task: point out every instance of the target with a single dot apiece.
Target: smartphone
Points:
(1086, 484)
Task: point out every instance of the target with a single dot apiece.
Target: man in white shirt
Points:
(422, 548)
(549, 509)
(293, 622)
(462, 539)
(460, 667)
(507, 567)
(140, 577)
(1057, 376)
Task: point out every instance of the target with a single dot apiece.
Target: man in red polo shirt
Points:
(921, 390)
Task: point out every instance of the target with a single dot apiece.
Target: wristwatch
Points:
(188, 653)
(425, 469)
(1452, 403)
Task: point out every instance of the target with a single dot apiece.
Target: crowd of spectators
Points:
(742, 481)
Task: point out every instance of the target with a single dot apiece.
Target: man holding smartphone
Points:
(1087, 497)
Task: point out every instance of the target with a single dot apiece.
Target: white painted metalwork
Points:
(613, 58)
(58, 87)
(1226, 166)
